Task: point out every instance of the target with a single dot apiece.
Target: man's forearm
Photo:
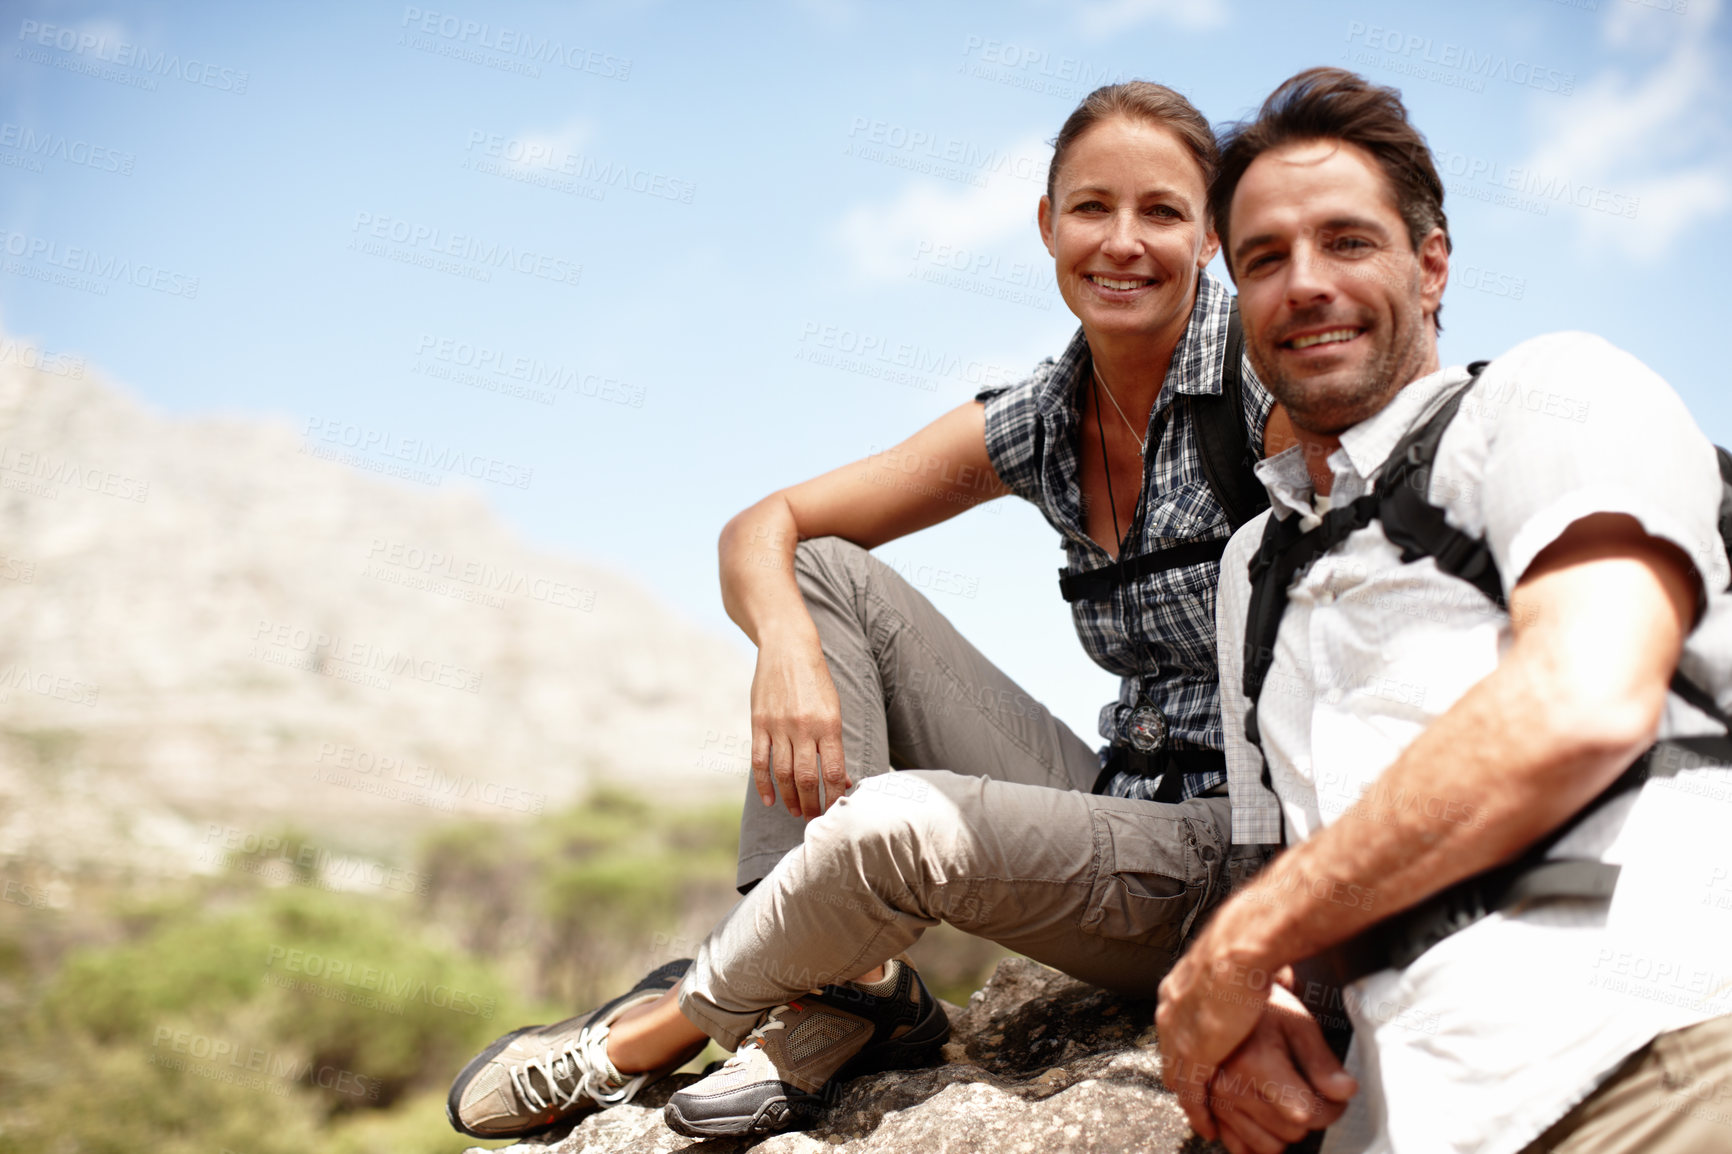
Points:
(1574, 701)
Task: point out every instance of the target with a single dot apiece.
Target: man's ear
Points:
(1433, 270)
(1044, 216)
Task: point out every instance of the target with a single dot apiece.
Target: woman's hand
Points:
(796, 727)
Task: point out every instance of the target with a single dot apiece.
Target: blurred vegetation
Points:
(257, 1011)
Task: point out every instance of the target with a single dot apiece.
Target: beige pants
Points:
(1102, 888)
(914, 695)
(1673, 1096)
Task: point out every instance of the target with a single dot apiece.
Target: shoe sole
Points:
(775, 1116)
(921, 1046)
(663, 977)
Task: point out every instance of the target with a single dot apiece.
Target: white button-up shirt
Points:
(1496, 1032)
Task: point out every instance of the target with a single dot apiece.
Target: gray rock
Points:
(1036, 1062)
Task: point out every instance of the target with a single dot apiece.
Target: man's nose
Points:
(1307, 277)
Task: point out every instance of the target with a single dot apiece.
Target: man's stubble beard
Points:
(1330, 409)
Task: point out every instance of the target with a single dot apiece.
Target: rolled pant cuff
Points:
(726, 1029)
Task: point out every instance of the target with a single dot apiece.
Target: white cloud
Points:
(540, 148)
(1101, 18)
(1654, 127)
(880, 239)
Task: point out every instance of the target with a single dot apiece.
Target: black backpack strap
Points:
(1097, 584)
(1416, 526)
(1285, 552)
(1227, 466)
(1227, 458)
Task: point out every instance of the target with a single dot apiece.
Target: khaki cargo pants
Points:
(1005, 842)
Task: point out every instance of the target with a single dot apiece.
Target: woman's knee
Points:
(883, 828)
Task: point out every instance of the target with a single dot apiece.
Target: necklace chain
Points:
(1142, 444)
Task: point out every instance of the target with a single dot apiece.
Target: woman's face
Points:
(1126, 229)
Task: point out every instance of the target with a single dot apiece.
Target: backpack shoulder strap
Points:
(1227, 458)
(1416, 526)
(1227, 465)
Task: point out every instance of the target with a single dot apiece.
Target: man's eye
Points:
(1351, 243)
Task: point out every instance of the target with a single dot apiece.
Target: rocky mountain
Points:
(211, 636)
(1036, 1062)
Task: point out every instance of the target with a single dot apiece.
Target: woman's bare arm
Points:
(796, 718)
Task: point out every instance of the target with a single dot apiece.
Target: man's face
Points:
(1336, 302)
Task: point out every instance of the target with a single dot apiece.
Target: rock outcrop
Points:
(1037, 1062)
(209, 633)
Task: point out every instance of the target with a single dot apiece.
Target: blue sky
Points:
(646, 262)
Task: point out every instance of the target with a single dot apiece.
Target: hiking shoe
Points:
(534, 1077)
(789, 1068)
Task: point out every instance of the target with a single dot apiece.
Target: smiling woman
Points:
(1133, 444)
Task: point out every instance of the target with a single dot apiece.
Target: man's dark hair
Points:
(1334, 104)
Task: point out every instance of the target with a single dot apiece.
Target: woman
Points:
(1125, 220)
(857, 673)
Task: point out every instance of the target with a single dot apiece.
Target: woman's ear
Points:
(1043, 216)
(1211, 246)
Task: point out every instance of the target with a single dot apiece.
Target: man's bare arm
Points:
(796, 720)
(1598, 622)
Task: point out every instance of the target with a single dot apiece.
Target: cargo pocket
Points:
(1150, 879)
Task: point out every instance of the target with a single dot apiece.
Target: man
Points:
(1417, 733)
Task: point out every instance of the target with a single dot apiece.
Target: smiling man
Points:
(1453, 635)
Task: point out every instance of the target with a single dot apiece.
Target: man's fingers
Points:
(1315, 1059)
(1241, 1133)
(830, 761)
(806, 779)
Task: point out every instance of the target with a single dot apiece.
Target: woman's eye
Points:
(1090, 206)
(1165, 210)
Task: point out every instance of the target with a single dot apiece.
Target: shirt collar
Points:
(1364, 447)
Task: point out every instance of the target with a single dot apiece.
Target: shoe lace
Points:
(585, 1063)
(755, 1040)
